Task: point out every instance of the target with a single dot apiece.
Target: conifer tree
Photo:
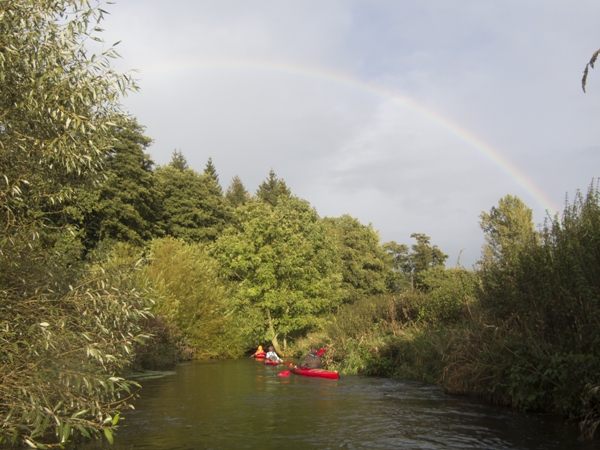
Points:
(194, 208)
(210, 172)
(126, 206)
(183, 191)
(272, 189)
(237, 194)
(214, 203)
(178, 161)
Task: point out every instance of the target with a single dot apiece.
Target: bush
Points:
(191, 298)
(449, 292)
(62, 356)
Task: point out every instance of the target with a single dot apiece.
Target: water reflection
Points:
(243, 404)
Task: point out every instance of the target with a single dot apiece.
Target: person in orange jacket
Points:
(259, 353)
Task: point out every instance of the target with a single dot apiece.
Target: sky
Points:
(414, 116)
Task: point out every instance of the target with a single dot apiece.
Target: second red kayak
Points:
(319, 373)
(268, 362)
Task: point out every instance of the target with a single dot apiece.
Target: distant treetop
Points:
(178, 161)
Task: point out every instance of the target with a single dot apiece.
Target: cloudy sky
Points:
(411, 115)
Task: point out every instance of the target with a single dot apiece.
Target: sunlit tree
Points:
(285, 268)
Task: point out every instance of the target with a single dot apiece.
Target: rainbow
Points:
(476, 143)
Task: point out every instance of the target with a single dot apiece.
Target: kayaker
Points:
(259, 353)
(312, 360)
(273, 356)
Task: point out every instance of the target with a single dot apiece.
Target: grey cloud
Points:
(507, 72)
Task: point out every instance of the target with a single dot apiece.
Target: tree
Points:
(214, 203)
(509, 236)
(64, 337)
(178, 161)
(285, 268)
(237, 194)
(190, 296)
(272, 189)
(400, 264)
(193, 205)
(363, 259)
(210, 173)
(508, 228)
(425, 256)
(449, 294)
(182, 192)
(421, 257)
(126, 205)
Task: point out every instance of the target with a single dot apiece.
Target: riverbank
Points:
(470, 357)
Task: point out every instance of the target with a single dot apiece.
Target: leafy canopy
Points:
(285, 267)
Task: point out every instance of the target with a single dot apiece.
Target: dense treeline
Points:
(108, 263)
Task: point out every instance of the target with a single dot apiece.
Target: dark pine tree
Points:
(193, 204)
(126, 205)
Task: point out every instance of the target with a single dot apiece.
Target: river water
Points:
(245, 405)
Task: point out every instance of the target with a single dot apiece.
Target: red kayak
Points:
(268, 362)
(320, 373)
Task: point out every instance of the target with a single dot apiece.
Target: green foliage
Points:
(66, 330)
(163, 349)
(424, 256)
(57, 104)
(272, 189)
(449, 294)
(509, 235)
(125, 206)
(508, 229)
(285, 267)
(193, 206)
(210, 172)
(178, 161)
(543, 293)
(62, 355)
(191, 298)
(400, 275)
(364, 263)
(357, 330)
(237, 194)
(408, 265)
(416, 352)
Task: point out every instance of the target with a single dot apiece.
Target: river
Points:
(245, 405)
